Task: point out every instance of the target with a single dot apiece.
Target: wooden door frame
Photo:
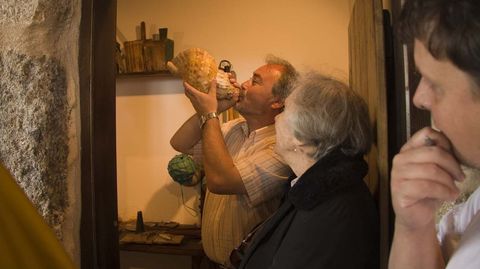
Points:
(369, 51)
(98, 230)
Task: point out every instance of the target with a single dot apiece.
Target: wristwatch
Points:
(208, 116)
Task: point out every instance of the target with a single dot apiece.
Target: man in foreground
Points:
(446, 36)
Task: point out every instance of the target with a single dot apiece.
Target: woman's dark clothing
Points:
(328, 220)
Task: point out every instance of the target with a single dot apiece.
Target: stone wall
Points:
(39, 117)
(33, 130)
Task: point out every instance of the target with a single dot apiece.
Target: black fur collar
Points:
(329, 175)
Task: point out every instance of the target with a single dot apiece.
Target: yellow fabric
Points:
(25, 240)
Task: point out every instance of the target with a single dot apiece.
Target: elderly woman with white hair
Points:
(328, 218)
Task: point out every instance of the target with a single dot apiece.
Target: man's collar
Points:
(260, 133)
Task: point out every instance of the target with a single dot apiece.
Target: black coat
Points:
(327, 220)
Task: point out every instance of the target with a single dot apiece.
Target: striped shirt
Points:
(227, 219)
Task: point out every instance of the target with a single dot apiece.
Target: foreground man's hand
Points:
(204, 103)
(422, 177)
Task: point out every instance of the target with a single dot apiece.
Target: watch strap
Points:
(205, 117)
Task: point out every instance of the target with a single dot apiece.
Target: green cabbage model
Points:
(183, 169)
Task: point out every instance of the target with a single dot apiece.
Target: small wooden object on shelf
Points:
(148, 55)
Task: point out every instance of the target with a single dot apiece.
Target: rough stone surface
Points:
(33, 130)
(29, 12)
(17, 12)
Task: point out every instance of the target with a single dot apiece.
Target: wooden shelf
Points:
(165, 73)
(191, 244)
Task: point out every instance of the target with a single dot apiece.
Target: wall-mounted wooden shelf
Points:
(165, 73)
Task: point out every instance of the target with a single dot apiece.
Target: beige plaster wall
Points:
(149, 110)
(309, 33)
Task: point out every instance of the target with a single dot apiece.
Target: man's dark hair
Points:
(449, 29)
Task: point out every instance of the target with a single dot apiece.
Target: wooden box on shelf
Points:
(148, 55)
